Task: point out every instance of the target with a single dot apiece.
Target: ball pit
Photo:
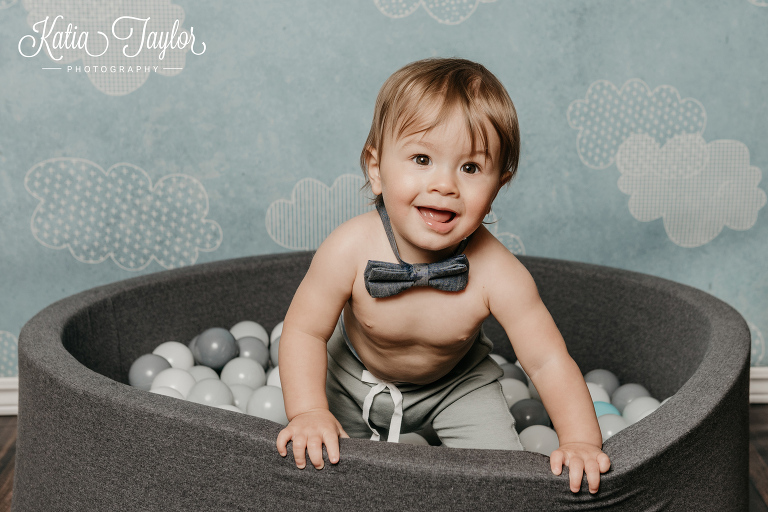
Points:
(89, 441)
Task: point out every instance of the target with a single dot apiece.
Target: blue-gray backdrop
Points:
(138, 136)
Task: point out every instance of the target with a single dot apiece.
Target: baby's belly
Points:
(404, 352)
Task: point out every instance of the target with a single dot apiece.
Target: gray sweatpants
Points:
(466, 407)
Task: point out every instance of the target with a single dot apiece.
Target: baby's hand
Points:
(309, 431)
(580, 458)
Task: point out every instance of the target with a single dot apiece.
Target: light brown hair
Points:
(442, 85)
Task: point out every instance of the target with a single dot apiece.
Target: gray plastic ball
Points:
(191, 344)
(211, 392)
(254, 348)
(273, 351)
(215, 347)
(267, 402)
(512, 371)
(603, 378)
(539, 439)
(626, 393)
(529, 412)
(144, 370)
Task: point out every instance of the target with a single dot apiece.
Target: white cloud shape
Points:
(695, 186)
(4, 4)
(118, 214)
(94, 16)
(314, 210)
(608, 116)
(9, 355)
(447, 12)
(758, 346)
(759, 3)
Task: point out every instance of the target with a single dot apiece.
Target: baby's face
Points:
(437, 190)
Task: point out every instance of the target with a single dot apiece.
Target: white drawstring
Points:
(397, 398)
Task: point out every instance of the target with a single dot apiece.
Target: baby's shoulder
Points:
(493, 263)
(349, 237)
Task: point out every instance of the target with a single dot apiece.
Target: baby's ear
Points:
(505, 177)
(374, 172)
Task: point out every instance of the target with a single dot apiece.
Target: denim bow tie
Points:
(384, 279)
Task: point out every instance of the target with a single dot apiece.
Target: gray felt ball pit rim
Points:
(693, 450)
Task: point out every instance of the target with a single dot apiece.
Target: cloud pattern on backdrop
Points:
(118, 214)
(667, 168)
(4, 4)
(608, 116)
(314, 210)
(93, 16)
(758, 346)
(447, 12)
(696, 187)
(759, 3)
(511, 241)
(9, 349)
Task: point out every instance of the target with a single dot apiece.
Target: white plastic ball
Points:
(604, 378)
(267, 402)
(514, 391)
(242, 370)
(228, 407)
(241, 394)
(539, 439)
(200, 372)
(610, 424)
(167, 392)
(412, 438)
(639, 408)
(499, 359)
(276, 332)
(177, 354)
(597, 393)
(626, 393)
(210, 392)
(273, 379)
(175, 378)
(249, 328)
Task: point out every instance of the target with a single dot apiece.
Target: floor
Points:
(758, 459)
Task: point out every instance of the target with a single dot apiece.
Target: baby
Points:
(373, 345)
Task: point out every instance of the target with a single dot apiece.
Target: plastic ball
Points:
(192, 343)
(512, 371)
(242, 370)
(602, 408)
(254, 348)
(200, 372)
(267, 402)
(167, 392)
(276, 332)
(228, 407)
(539, 439)
(639, 408)
(529, 412)
(144, 370)
(250, 329)
(610, 424)
(597, 393)
(211, 392)
(412, 438)
(176, 353)
(240, 395)
(626, 393)
(215, 347)
(514, 391)
(273, 379)
(176, 378)
(604, 378)
(273, 351)
(500, 360)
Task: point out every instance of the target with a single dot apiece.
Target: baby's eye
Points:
(421, 160)
(470, 168)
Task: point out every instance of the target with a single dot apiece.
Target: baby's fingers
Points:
(576, 471)
(331, 441)
(282, 441)
(315, 449)
(604, 462)
(556, 460)
(592, 469)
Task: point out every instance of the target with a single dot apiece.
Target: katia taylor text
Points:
(54, 36)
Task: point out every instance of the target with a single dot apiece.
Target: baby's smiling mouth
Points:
(442, 216)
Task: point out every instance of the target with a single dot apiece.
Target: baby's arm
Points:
(540, 348)
(309, 323)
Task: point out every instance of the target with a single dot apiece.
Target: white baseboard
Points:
(758, 385)
(9, 396)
